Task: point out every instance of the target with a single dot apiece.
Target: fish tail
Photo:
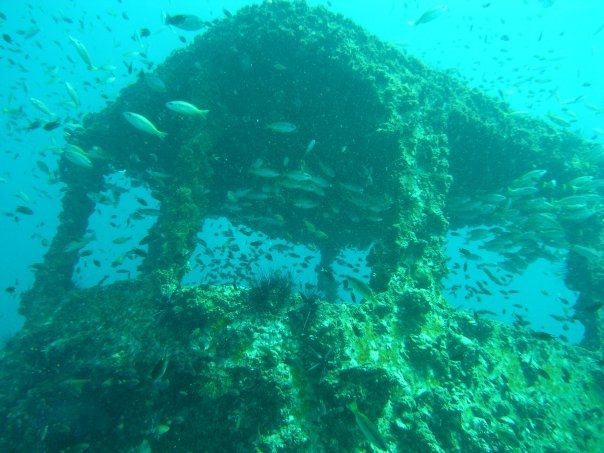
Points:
(162, 135)
(353, 407)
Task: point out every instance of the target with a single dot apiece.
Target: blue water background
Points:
(532, 53)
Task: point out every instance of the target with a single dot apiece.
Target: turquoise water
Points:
(544, 58)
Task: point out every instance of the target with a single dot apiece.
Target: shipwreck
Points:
(150, 364)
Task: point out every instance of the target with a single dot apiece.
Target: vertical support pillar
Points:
(53, 277)
(413, 250)
(183, 202)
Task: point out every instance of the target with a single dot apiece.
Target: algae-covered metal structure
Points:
(321, 134)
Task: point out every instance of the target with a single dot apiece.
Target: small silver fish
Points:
(187, 22)
(72, 94)
(185, 108)
(303, 203)
(264, 172)
(154, 83)
(310, 147)
(298, 176)
(282, 127)
(369, 430)
(37, 103)
(77, 156)
(558, 120)
(83, 52)
(429, 15)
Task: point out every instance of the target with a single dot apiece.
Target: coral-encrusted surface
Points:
(277, 372)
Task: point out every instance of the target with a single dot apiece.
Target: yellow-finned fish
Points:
(370, 431)
(77, 156)
(361, 287)
(143, 124)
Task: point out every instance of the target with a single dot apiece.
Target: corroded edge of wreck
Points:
(153, 366)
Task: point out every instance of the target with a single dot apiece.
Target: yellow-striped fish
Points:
(143, 124)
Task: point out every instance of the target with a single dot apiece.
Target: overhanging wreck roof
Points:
(397, 144)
